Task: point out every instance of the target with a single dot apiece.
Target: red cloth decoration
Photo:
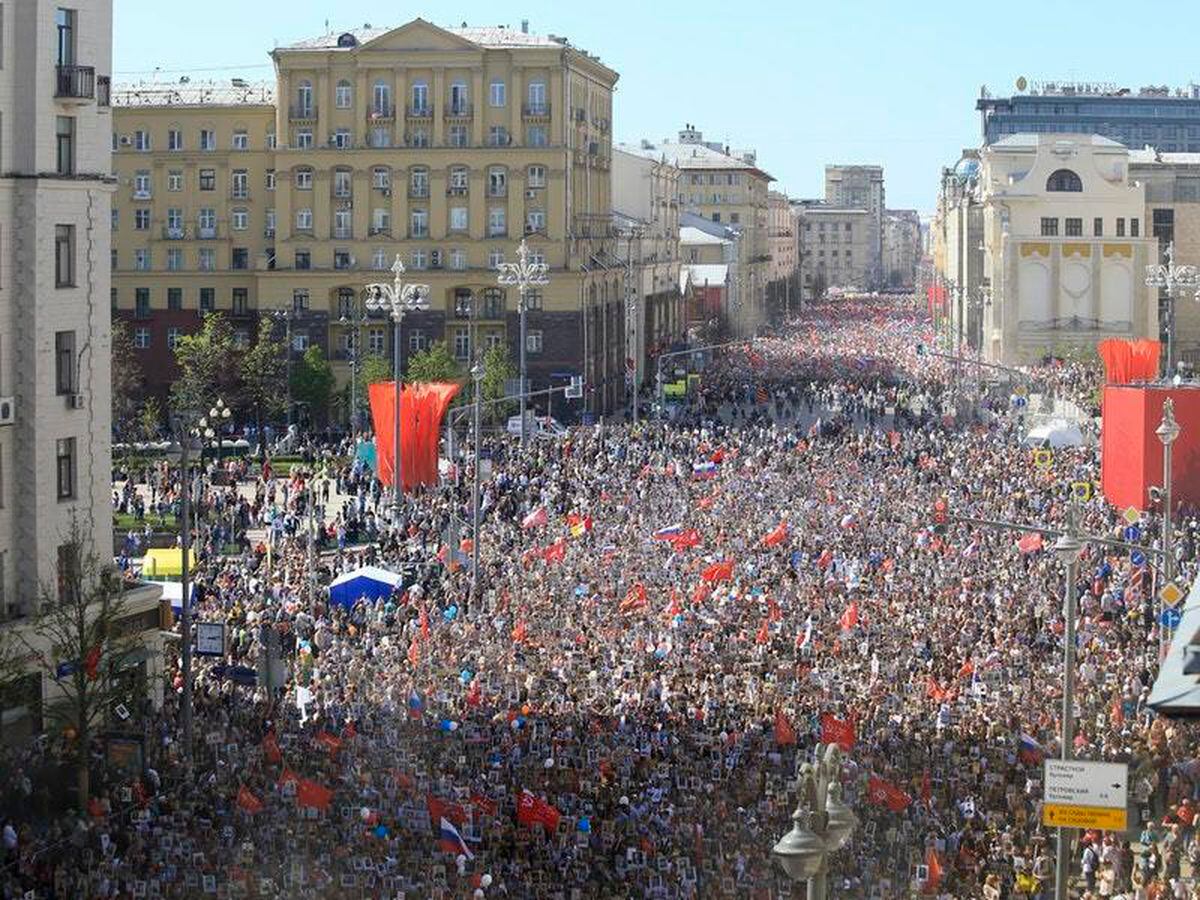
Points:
(1128, 361)
(533, 810)
(884, 793)
(247, 801)
(785, 734)
(422, 408)
(837, 731)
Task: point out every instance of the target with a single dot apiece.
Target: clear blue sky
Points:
(882, 82)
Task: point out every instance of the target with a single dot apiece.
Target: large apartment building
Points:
(445, 146)
(861, 187)
(834, 247)
(55, 407)
(729, 188)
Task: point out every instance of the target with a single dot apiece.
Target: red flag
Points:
(1030, 543)
(519, 631)
(685, 539)
(484, 804)
(785, 734)
(414, 653)
(776, 535)
(701, 593)
(884, 793)
(538, 517)
(934, 867)
(348, 730)
(247, 801)
(424, 622)
(438, 808)
(329, 742)
(764, 633)
(635, 598)
(474, 693)
(722, 571)
(967, 669)
(837, 731)
(936, 691)
(926, 788)
(270, 748)
(774, 613)
(287, 776)
(1118, 712)
(850, 617)
(309, 793)
(533, 810)
(556, 552)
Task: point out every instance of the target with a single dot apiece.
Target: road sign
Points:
(1169, 618)
(1083, 794)
(1138, 558)
(1171, 594)
(1043, 458)
(1132, 533)
(210, 638)
(1131, 515)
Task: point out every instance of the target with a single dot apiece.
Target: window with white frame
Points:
(381, 136)
(141, 219)
(533, 341)
(493, 339)
(270, 179)
(420, 97)
(206, 222)
(207, 260)
(462, 343)
(419, 137)
(342, 186)
(173, 335)
(536, 136)
(497, 181)
(141, 259)
(341, 139)
(459, 98)
(141, 141)
(381, 99)
(536, 177)
(175, 222)
(381, 220)
(536, 256)
(459, 179)
(535, 221)
(381, 178)
(418, 259)
(304, 99)
(304, 220)
(458, 218)
(497, 93)
(536, 93)
(174, 259)
(458, 259)
(304, 179)
(141, 338)
(269, 222)
(418, 223)
(497, 221)
(141, 185)
(342, 227)
(304, 139)
(418, 183)
(241, 140)
(497, 136)
(174, 139)
(208, 139)
(343, 95)
(495, 257)
(418, 341)
(458, 136)
(240, 219)
(300, 341)
(270, 140)
(174, 180)
(239, 184)
(377, 341)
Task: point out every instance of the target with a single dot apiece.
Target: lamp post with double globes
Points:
(523, 275)
(821, 824)
(218, 418)
(477, 373)
(396, 299)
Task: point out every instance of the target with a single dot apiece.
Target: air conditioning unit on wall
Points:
(8, 411)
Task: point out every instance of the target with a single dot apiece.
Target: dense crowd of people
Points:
(666, 620)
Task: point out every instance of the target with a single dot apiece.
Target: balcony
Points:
(269, 232)
(381, 114)
(497, 190)
(239, 194)
(419, 112)
(418, 191)
(385, 230)
(458, 111)
(536, 111)
(593, 225)
(497, 232)
(75, 83)
(297, 113)
(206, 232)
(174, 233)
(457, 190)
(141, 193)
(104, 91)
(418, 234)
(343, 234)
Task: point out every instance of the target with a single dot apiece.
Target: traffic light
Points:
(941, 514)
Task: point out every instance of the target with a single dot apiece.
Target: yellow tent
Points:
(165, 562)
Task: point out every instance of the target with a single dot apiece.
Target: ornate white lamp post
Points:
(523, 275)
(396, 299)
(821, 824)
(1171, 278)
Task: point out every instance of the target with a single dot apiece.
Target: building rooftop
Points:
(1037, 139)
(711, 274)
(496, 37)
(1148, 156)
(693, 152)
(234, 92)
(1087, 90)
(693, 236)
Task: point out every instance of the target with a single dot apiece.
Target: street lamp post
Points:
(1168, 432)
(821, 824)
(286, 316)
(523, 274)
(218, 418)
(396, 299)
(352, 350)
(477, 373)
(1067, 549)
(1172, 278)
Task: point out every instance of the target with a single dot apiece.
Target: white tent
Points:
(1055, 433)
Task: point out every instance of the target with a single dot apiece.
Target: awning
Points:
(166, 562)
(1176, 691)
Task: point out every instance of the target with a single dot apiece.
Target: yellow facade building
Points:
(445, 146)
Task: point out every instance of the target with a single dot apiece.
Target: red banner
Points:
(837, 731)
(533, 810)
(422, 408)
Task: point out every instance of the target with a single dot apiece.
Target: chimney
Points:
(524, 26)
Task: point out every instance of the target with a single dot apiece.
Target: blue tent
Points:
(369, 582)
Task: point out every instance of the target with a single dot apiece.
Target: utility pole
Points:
(1067, 549)
(185, 604)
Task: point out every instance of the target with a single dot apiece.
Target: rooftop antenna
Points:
(327, 26)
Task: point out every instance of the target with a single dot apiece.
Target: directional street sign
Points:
(1082, 794)
(1138, 558)
(1132, 515)
(1171, 594)
(1169, 618)
(1132, 533)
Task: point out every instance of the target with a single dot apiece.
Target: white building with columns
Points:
(1065, 246)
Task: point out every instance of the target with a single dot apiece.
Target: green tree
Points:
(312, 381)
(498, 370)
(434, 364)
(264, 374)
(149, 420)
(81, 630)
(371, 370)
(207, 366)
(126, 380)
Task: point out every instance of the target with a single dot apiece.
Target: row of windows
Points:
(418, 221)
(459, 97)
(715, 178)
(381, 136)
(1074, 227)
(206, 141)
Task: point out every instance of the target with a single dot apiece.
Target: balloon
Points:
(466, 675)
(365, 813)
(381, 831)
(449, 613)
(585, 824)
(486, 880)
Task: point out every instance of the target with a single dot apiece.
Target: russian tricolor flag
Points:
(704, 470)
(665, 534)
(1030, 751)
(451, 841)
